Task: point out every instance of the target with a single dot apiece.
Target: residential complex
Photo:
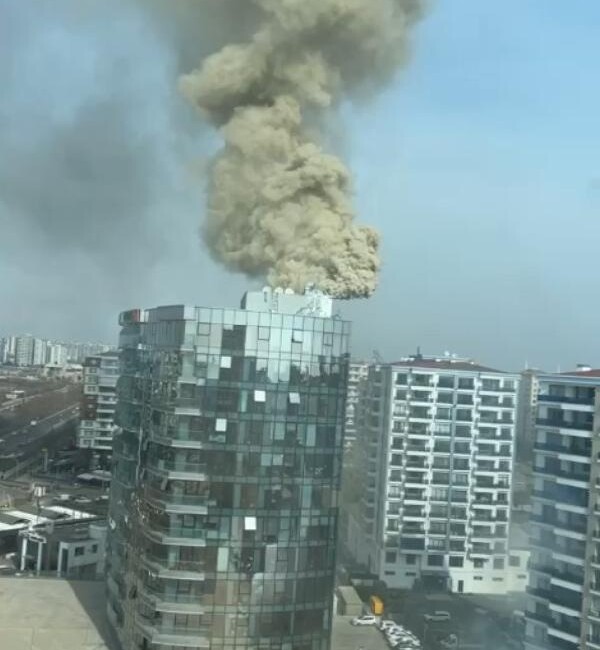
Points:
(30, 351)
(97, 414)
(563, 609)
(223, 511)
(435, 447)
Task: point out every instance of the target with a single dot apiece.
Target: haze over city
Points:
(471, 165)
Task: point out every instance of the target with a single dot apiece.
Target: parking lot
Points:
(475, 624)
(350, 637)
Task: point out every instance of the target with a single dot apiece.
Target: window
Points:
(435, 560)
(514, 560)
(438, 527)
(446, 381)
(79, 550)
(260, 396)
(263, 333)
(443, 413)
(225, 362)
(221, 424)
(401, 379)
(203, 329)
(94, 548)
(478, 563)
(455, 561)
(390, 557)
(410, 559)
(297, 336)
(477, 578)
(294, 398)
(465, 383)
(499, 563)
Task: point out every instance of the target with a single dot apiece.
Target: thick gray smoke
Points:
(279, 206)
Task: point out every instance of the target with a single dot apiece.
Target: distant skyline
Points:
(480, 167)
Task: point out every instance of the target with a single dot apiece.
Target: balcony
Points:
(176, 535)
(179, 503)
(168, 568)
(583, 477)
(562, 399)
(565, 424)
(177, 469)
(569, 450)
(539, 592)
(167, 635)
(173, 603)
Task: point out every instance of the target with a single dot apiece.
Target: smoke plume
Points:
(279, 206)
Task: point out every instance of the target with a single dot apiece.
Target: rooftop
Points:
(53, 614)
(583, 372)
(443, 363)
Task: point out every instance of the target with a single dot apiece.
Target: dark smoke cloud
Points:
(82, 143)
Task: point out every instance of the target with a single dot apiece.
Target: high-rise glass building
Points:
(224, 501)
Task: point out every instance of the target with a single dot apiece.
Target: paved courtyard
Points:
(52, 614)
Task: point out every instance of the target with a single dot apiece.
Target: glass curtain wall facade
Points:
(224, 501)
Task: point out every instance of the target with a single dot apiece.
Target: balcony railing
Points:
(564, 424)
(562, 399)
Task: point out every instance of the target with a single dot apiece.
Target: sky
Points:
(479, 165)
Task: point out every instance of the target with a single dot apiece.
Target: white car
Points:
(438, 616)
(398, 636)
(387, 623)
(367, 619)
(405, 645)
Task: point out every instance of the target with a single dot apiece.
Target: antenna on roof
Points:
(418, 355)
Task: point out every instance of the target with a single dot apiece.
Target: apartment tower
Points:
(223, 511)
(435, 445)
(563, 609)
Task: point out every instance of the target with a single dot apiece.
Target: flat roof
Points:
(50, 613)
(445, 364)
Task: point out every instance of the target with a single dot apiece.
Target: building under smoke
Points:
(223, 510)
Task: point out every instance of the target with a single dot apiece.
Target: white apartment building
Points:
(358, 372)
(100, 374)
(563, 609)
(56, 354)
(437, 448)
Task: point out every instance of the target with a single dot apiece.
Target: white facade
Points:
(563, 609)
(57, 355)
(357, 375)
(438, 449)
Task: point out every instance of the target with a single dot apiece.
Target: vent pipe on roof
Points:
(583, 367)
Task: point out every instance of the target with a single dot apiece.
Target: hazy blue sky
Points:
(480, 167)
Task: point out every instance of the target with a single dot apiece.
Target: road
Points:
(25, 439)
(11, 404)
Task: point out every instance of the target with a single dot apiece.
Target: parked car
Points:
(400, 635)
(366, 619)
(386, 624)
(450, 642)
(437, 616)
